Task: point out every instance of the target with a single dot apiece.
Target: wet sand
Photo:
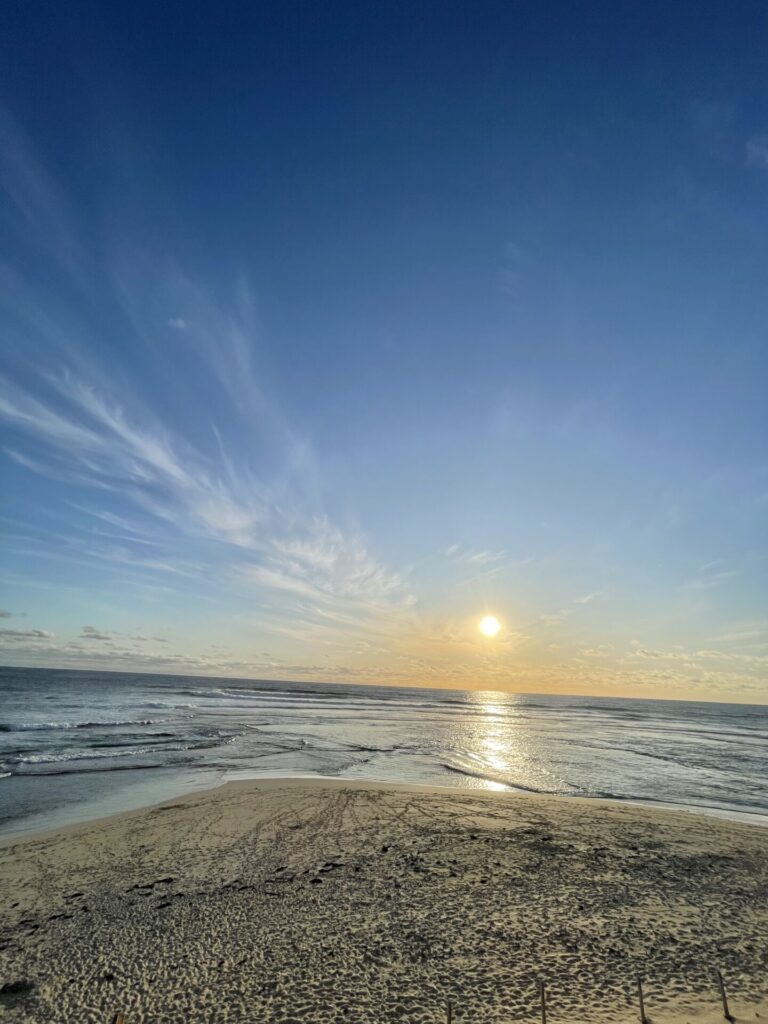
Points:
(317, 901)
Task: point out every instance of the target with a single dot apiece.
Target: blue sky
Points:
(329, 328)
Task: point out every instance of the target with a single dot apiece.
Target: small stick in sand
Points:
(643, 1018)
(448, 1012)
(119, 1018)
(543, 998)
(721, 985)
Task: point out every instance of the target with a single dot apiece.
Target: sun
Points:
(489, 626)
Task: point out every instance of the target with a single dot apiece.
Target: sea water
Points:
(76, 745)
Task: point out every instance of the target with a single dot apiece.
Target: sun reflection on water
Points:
(498, 739)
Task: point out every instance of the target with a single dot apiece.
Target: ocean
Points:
(77, 745)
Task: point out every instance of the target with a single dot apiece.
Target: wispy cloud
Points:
(26, 634)
(479, 576)
(246, 494)
(91, 633)
(102, 445)
(482, 564)
(555, 618)
(588, 598)
(465, 556)
(37, 209)
(710, 575)
(749, 634)
(275, 545)
(112, 638)
(603, 651)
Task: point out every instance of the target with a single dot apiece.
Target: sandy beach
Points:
(297, 900)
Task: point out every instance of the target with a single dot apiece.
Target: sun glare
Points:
(489, 626)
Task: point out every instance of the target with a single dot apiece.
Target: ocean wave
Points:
(112, 751)
(475, 773)
(56, 726)
(721, 735)
(94, 769)
(71, 755)
(112, 725)
(307, 698)
(166, 705)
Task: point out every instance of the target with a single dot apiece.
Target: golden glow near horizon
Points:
(489, 626)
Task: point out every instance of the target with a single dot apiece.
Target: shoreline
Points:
(755, 819)
(329, 900)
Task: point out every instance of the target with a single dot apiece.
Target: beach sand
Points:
(331, 901)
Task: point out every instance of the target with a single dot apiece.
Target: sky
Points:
(328, 329)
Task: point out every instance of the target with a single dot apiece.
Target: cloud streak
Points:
(26, 634)
(275, 547)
